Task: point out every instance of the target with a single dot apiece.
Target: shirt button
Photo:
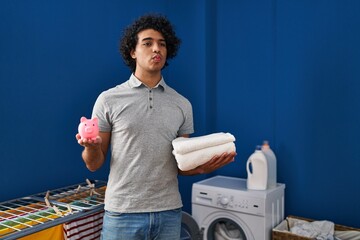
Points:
(150, 99)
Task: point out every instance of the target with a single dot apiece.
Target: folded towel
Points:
(183, 145)
(196, 158)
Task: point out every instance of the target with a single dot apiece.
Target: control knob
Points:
(224, 201)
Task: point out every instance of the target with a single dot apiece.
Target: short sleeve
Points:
(188, 126)
(101, 111)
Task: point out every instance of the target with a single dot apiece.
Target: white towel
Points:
(183, 145)
(320, 230)
(196, 158)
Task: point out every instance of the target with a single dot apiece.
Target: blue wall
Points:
(281, 70)
(288, 71)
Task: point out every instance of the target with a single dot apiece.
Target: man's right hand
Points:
(89, 142)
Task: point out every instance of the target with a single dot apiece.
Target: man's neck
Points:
(149, 79)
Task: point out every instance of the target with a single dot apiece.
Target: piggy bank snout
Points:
(89, 129)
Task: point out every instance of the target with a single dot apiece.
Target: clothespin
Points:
(78, 189)
(69, 208)
(88, 182)
(95, 192)
(92, 188)
(47, 195)
(48, 204)
(46, 198)
(57, 210)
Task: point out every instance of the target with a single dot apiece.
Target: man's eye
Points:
(148, 44)
(163, 44)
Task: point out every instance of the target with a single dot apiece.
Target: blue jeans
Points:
(165, 225)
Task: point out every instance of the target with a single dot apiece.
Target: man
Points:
(139, 119)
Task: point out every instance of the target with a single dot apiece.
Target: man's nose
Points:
(156, 48)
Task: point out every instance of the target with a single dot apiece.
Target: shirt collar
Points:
(135, 82)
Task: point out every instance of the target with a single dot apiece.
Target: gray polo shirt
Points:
(143, 121)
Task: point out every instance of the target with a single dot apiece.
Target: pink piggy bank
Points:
(88, 128)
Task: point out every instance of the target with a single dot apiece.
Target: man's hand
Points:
(89, 142)
(215, 163)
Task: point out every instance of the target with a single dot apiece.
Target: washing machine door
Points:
(225, 229)
(226, 225)
(189, 228)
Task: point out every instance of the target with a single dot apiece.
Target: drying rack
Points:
(27, 215)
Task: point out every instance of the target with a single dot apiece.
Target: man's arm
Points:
(95, 151)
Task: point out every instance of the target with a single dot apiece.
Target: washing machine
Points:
(224, 209)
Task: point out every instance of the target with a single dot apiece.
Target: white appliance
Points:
(251, 214)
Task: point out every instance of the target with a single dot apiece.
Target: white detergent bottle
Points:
(271, 159)
(258, 175)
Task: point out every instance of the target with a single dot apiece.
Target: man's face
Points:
(150, 51)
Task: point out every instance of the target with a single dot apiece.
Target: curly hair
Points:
(151, 21)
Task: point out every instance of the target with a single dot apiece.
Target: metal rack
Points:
(83, 196)
(27, 215)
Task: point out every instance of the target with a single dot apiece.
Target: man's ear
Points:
(132, 54)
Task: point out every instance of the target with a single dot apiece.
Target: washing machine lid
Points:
(190, 227)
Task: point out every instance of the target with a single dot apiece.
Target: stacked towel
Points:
(193, 152)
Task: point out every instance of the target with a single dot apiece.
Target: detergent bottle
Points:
(258, 175)
(271, 161)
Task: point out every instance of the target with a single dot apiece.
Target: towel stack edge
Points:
(184, 145)
(193, 152)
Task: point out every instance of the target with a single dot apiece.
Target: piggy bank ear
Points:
(95, 119)
(83, 119)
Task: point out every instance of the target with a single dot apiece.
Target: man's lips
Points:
(156, 58)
